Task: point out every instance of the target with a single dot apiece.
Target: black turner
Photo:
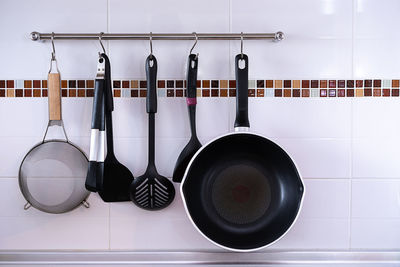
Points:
(151, 191)
(194, 144)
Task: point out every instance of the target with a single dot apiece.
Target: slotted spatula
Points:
(151, 191)
(117, 178)
(191, 100)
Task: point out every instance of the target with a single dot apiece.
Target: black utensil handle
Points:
(101, 151)
(242, 82)
(151, 166)
(192, 78)
(108, 86)
(151, 73)
(97, 103)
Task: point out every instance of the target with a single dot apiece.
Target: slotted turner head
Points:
(152, 191)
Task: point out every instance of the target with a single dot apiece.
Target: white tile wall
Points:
(347, 149)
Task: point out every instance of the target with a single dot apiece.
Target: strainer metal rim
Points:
(26, 193)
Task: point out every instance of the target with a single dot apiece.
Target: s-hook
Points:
(241, 45)
(195, 43)
(151, 45)
(53, 54)
(101, 43)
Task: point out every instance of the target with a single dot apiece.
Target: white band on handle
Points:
(94, 141)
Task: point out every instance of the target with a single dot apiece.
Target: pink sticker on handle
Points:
(191, 101)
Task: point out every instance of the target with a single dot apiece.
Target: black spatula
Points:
(117, 178)
(194, 143)
(152, 191)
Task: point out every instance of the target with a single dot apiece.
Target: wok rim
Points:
(241, 130)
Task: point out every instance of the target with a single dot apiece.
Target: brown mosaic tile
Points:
(125, 84)
(206, 84)
(64, 93)
(350, 83)
(64, 83)
(278, 84)
(368, 83)
(395, 83)
(179, 83)
(90, 84)
(323, 84)
(135, 84)
(260, 92)
(278, 92)
(223, 92)
(223, 84)
(287, 83)
(10, 93)
(232, 84)
(170, 93)
(116, 84)
(214, 92)
(260, 83)
(19, 93)
(341, 92)
(232, 93)
(386, 92)
(323, 92)
(350, 92)
(205, 92)
(143, 92)
(27, 92)
(305, 84)
(332, 83)
(269, 83)
(377, 83)
(117, 93)
(81, 92)
(377, 92)
(341, 83)
(296, 83)
(332, 92)
(314, 83)
(2, 92)
(143, 84)
(214, 84)
(251, 92)
(2, 84)
(44, 92)
(134, 93)
(89, 92)
(27, 84)
(72, 92)
(44, 83)
(10, 83)
(296, 92)
(179, 92)
(170, 83)
(359, 92)
(287, 92)
(71, 84)
(395, 92)
(198, 84)
(36, 83)
(359, 83)
(305, 92)
(81, 83)
(367, 92)
(36, 93)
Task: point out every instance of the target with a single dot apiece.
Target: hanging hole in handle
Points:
(151, 62)
(242, 64)
(27, 206)
(86, 204)
(193, 64)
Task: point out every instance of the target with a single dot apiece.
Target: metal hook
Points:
(53, 54)
(241, 45)
(102, 46)
(151, 45)
(195, 43)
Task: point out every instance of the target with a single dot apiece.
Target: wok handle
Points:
(151, 73)
(54, 96)
(242, 87)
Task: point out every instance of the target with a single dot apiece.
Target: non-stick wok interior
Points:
(243, 191)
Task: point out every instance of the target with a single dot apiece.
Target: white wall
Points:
(346, 149)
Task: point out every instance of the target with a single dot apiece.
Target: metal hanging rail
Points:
(37, 36)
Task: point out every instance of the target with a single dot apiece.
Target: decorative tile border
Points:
(212, 88)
